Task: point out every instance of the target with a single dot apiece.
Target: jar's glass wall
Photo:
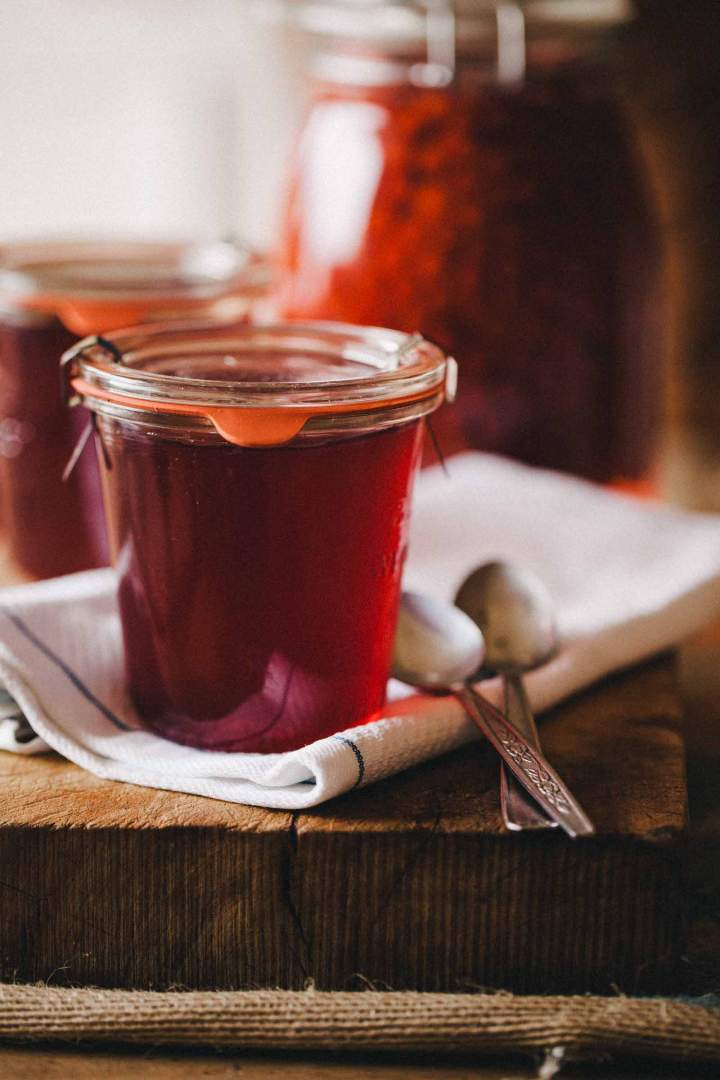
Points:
(258, 588)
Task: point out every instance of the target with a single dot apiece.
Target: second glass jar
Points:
(52, 293)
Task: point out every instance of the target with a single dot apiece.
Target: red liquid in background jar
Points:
(258, 588)
(52, 527)
(510, 227)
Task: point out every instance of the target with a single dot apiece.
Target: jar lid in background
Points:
(403, 22)
(99, 285)
(423, 41)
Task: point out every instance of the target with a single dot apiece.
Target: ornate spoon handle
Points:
(519, 811)
(526, 763)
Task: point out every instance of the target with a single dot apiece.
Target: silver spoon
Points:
(439, 648)
(514, 611)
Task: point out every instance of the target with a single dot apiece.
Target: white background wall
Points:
(162, 117)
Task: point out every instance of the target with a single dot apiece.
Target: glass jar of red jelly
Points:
(467, 170)
(257, 486)
(50, 295)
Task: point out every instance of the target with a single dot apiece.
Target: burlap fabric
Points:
(311, 1020)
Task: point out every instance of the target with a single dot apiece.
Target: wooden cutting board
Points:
(410, 883)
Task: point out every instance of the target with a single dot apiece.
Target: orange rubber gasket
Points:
(254, 426)
(85, 317)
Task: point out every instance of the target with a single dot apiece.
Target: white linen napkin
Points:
(629, 579)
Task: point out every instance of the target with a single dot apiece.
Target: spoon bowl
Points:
(437, 646)
(514, 611)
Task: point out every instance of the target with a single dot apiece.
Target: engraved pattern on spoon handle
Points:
(519, 811)
(526, 763)
(518, 709)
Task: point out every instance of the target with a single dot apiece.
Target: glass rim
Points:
(398, 364)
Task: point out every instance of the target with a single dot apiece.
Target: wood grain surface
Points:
(408, 884)
(125, 1064)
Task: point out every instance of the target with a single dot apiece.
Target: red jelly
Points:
(491, 198)
(49, 295)
(257, 485)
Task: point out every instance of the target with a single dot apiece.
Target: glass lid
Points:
(256, 383)
(424, 41)
(118, 270)
(404, 22)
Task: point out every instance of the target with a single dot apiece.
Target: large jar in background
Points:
(466, 171)
(51, 294)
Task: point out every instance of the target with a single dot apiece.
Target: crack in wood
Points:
(299, 948)
(426, 838)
